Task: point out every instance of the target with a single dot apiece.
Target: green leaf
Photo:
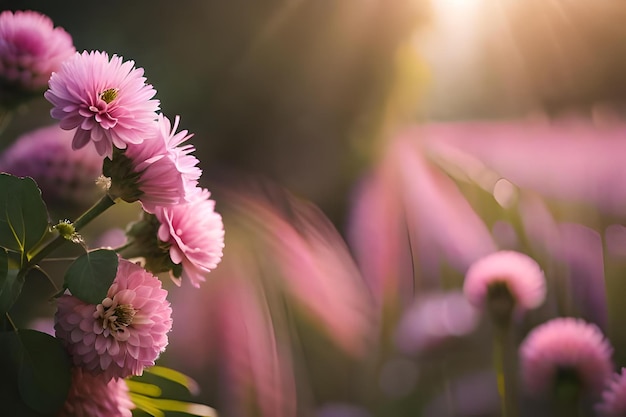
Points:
(90, 275)
(41, 367)
(156, 406)
(10, 288)
(23, 214)
(175, 376)
(143, 388)
(145, 392)
(4, 265)
(10, 283)
(145, 404)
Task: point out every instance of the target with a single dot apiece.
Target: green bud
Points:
(145, 243)
(124, 180)
(67, 230)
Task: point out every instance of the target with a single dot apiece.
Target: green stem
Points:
(11, 322)
(96, 210)
(104, 203)
(504, 365)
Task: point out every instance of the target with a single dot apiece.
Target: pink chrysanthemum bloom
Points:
(614, 396)
(122, 335)
(185, 162)
(505, 277)
(66, 177)
(565, 355)
(106, 100)
(157, 172)
(31, 48)
(95, 396)
(196, 235)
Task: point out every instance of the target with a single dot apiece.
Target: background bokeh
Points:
(298, 90)
(276, 88)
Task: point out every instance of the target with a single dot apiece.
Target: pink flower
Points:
(95, 396)
(186, 164)
(162, 172)
(196, 235)
(66, 178)
(106, 100)
(521, 275)
(614, 396)
(31, 48)
(123, 334)
(565, 350)
(240, 335)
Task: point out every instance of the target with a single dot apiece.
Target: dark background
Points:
(276, 89)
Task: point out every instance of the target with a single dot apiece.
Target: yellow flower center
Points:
(115, 317)
(109, 95)
(124, 314)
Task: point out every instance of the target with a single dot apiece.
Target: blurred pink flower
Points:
(614, 396)
(122, 335)
(582, 252)
(284, 266)
(408, 219)
(66, 177)
(433, 319)
(424, 213)
(43, 324)
(522, 276)
(574, 254)
(567, 348)
(315, 266)
(31, 48)
(341, 410)
(163, 172)
(228, 323)
(256, 357)
(106, 100)
(96, 396)
(195, 233)
(572, 160)
(111, 238)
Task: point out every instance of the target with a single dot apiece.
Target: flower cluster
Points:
(113, 317)
(106, 101)
(565, 359)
